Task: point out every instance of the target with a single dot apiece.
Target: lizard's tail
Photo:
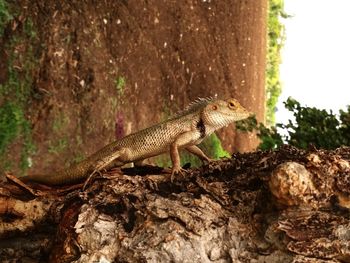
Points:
(71, 175)
(77, 172)
(55, 179)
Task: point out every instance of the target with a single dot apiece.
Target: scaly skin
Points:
(185, 130)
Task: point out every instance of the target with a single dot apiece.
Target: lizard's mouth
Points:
(240, 115)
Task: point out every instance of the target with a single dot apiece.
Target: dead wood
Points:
(286, 205)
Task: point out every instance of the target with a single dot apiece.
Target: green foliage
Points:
(15, 93)
(344, 126)
(211, 146)
(162, 160)
(314, 126)
(276, 38)
(269, 137)
(318, 127)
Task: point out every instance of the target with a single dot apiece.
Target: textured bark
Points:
(286, 205)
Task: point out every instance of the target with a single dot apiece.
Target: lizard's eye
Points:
(231, 105)
(214, 107)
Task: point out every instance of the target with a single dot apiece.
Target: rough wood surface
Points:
(286, 205)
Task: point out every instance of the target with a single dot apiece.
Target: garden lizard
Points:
(184, 131)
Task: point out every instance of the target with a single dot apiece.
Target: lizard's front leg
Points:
(175, 158)
(183, 139)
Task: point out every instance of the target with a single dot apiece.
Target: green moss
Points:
(119, 84)
(61, 140)
(58, 146)
(77, 158)
(59, 123)
(5, 16)
(15, 94)
(11, 121)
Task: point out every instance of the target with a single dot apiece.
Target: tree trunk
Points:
(287, 205)
(133, 62)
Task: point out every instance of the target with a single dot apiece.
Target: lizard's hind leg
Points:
(106, 163)
(101, 164)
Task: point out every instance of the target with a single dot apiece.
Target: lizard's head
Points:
(219, 113)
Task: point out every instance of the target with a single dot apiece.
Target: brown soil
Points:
(168, 53)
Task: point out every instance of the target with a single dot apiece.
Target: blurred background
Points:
(316, 55)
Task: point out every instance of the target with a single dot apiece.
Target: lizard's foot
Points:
(177, 170)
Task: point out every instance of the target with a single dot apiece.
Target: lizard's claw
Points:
(177, 170)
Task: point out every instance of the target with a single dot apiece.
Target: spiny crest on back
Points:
(194, 106)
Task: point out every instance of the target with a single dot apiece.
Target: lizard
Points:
(185, 130)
